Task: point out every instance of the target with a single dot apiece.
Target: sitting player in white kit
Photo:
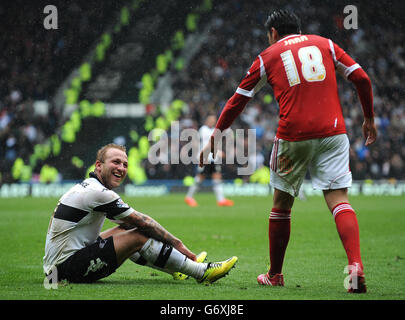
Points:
(78, 252)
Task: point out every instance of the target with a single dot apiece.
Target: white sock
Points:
(165, 257)
(217, 186)
(194, 188)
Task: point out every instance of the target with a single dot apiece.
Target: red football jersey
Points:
(302, 72)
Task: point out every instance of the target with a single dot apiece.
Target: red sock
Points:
(279, 235)
(348, 229)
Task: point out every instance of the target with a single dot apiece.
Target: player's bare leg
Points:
(110, 232)
(334, 197)
(120, 229)
(348, 230)
(282, 200)
(126, 243)
(279, 235)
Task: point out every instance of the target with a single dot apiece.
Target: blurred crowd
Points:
(35, 61)
(238, 36)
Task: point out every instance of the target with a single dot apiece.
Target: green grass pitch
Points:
(313, 269)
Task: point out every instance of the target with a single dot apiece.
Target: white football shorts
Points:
(327, 160)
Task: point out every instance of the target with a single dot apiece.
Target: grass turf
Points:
(313, 268)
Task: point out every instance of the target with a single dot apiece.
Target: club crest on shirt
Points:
(121, 204)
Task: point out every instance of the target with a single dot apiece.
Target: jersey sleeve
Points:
(364, 90)
(254, 80)
(231, 111)
(112, 205)
(352, 71)
(344, 64)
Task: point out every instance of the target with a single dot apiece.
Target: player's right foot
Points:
(191, 202)
(225, 203)
(217, 270)
(357, 281)
(274, 281)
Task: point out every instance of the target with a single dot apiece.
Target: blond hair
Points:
(103, 150)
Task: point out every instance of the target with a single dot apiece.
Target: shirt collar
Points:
(92, 174)
(291, 35)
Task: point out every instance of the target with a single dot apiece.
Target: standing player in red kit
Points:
(311, 132)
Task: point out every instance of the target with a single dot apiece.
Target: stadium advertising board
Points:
(18, 190)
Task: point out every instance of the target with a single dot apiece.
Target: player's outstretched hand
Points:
(369, 131)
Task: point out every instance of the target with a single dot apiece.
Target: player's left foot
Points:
(217, 270)
(181, 276)
(191, 202)
(276, 280)
(225, 203)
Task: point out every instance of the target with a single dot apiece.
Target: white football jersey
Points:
(205, 133)
(78, 219)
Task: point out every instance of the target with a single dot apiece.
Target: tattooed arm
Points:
(149, 227)
(153, 229)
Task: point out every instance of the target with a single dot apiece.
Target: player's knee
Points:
(334, 197)
(282, 200)
(129, 242)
